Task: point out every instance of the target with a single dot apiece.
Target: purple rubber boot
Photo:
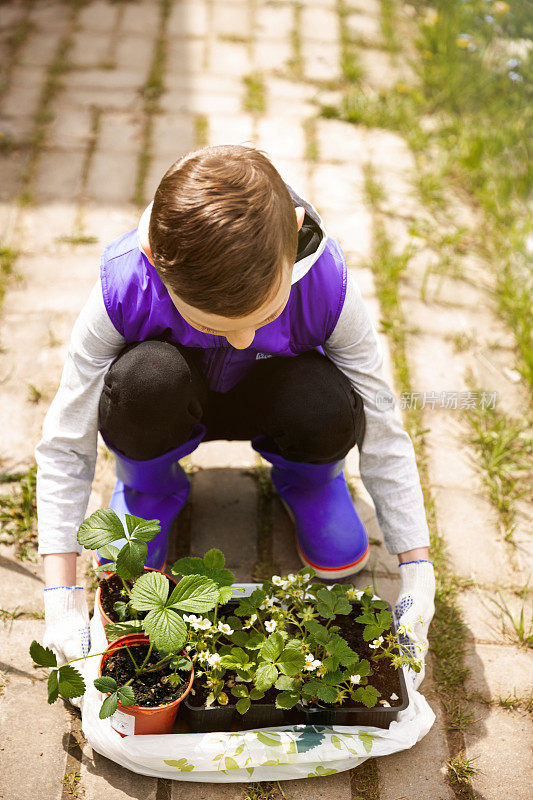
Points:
(329, 533)
(156, 488)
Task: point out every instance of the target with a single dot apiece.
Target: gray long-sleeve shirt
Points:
(66, 453)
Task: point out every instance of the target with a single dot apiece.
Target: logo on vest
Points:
(263, 355)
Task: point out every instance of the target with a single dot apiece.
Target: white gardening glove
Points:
(414, 610)
(66, 617)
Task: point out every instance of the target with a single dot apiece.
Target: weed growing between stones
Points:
(18, 513)
(505, 450)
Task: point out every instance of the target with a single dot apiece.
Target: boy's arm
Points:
(387, 459)
(66, 453)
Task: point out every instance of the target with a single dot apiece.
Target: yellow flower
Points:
(501, 8)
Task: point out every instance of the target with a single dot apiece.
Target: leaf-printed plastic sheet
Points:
(282, 753)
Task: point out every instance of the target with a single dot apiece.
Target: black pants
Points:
(154, 393)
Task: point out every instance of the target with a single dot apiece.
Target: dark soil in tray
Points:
(147, 688)
(384, 677)
(110, 594)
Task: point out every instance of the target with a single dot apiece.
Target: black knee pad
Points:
(151, 398)
(315, 414)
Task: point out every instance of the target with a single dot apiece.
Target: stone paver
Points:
(208, 55)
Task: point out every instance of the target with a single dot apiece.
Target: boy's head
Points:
(223, 236)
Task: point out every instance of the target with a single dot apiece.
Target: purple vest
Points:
(140, 308)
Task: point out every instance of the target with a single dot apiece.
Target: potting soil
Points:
(148, 688)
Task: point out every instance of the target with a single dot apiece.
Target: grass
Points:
(461, 771)
(8, 258)
(476, 146)
(515, 626)
(350, 64)
(151, 94)
(71, 782)
(295, 64)
(505, 449)
(459, 718)
(254, 96)
(18, 513)
(262, 791)
(365, 782)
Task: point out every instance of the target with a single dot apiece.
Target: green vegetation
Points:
(254, 98)
(461, 771)
(18, 512)
(505, 451)
(468, 121)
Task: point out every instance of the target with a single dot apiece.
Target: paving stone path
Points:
(77, 110)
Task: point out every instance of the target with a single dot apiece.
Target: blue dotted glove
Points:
(66, 617)
(414, 610)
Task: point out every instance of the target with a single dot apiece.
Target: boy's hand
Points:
(66, 616)
(414, 609)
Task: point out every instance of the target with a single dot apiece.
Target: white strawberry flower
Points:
(270, 625)
(354, 594)
(291, 577)
(223, 627)
(267, 603)
(277, 580)
(355, 678)
(250, 622)
(214, 660)
(376, 643)
(309, 658)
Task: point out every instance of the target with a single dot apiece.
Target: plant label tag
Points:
(123, 723)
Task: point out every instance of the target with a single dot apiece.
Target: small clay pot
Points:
(146, 719)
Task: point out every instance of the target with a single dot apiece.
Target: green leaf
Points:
(194, 593)
(109, 706)
(265, 676)
(122, 609)
(165, 629)
(272, 647)
(239, 690)
(116, 629)
(243, 705)
(327, 693)
(43, 656)
(284, 683)
(150, 591)
(126, 696)
(367, 695)
(142, 529)
(255, 694)
(214, 559)
(237, 659)
(109, 551)
(291, 661)
(197, 566)
(131, 559)
(105, 684)
(226, 593)
(102, 527)
(319, 632)
(71, 683)
(287, 699)
(53, 686)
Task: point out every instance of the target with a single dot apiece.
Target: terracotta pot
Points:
(141, 720)
(97, 603)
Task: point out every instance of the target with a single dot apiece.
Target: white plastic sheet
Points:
(282, 753)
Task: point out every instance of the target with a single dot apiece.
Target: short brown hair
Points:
(222, 229)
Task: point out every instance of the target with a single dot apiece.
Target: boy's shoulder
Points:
(122, 245)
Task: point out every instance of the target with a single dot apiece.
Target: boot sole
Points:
(332, 573)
